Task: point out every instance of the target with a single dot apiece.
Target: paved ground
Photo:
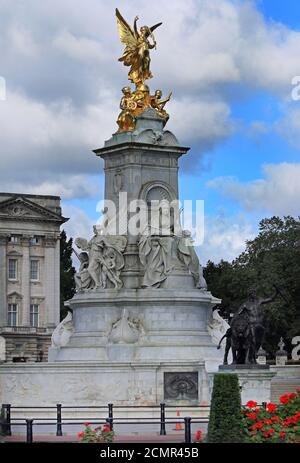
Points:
(148, 438)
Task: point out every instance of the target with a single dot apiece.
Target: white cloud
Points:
(225, 238)
(22, 41)
(202, 121)
(47, 148)
(79, 225)
(66, 186)
(59, 60)
(277, 193)
(80, 48)
(289, 126)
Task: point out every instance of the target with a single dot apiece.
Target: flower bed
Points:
(275, 423)
(97, 434)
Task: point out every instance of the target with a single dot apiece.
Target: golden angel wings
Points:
(136, 53)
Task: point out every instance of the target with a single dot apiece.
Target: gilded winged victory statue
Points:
(138, 44)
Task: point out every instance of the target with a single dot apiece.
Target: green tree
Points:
(272, 257)
(225, 419)
(67, 272)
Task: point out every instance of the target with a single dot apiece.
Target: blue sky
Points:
(229, 64)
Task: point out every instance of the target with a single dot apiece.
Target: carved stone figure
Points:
(62, 333)
(83, 279)
(187, 254)
(104, 262)
(217, 326)
(154, 253)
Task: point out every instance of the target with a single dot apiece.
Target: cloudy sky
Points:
(230, 65)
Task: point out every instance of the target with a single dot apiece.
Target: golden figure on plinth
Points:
(159, 105)
(137, 56)
(136, 53)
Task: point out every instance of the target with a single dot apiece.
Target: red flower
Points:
(275, 418)
(251, 404)
(282, 434)
(258, 425)
(271, 407)
(268, 422)
(80, 435)
(268, 433)
(256, 410)
(285, 398)
(86, 424)
(106, 428)
(252, 416)
(198, 436)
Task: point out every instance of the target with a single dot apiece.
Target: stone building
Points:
(29, 274)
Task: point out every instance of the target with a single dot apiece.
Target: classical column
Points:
(3, 276)
(25, 282)
(51, 283)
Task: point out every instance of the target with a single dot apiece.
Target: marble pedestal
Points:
(153, 342)
(164, 324)
(255, 381)
(96, 383)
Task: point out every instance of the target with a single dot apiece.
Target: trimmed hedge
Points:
(225, 420)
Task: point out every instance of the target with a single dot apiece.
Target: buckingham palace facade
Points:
(29, 274)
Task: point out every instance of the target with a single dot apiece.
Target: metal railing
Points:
(7, 421)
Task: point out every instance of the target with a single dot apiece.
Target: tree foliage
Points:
(67, 272)
(225, 419)
(273, 257)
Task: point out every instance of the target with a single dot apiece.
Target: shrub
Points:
(225, 420)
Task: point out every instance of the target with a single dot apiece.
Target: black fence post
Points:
(187, 430)
(162, 419)
(5, 413)
(110, 423)
(58, 420)
(264, 405)
(111, 415)
(29, 434)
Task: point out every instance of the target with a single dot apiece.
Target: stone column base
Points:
(255, 381)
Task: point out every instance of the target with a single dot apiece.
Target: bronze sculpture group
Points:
(246, 332)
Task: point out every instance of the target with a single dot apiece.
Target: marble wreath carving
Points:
(101, 261)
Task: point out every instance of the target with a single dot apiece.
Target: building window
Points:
(34, 270)
(34, 241)
(13, 239)
(34, 315)
(12, 318)
(12, 269)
